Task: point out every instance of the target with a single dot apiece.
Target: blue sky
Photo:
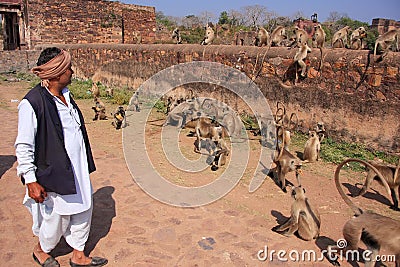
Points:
(364, 10)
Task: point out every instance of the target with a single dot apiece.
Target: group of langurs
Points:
(374, 230)
(300, 38)
(119, 117)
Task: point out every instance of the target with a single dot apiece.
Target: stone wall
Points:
(357, 98)
(88, 21)
(384, 25)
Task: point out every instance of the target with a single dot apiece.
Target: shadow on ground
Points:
(6, 162)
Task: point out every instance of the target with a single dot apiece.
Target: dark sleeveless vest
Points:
(54, 170)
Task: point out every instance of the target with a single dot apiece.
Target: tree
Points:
(354, 24)
(235, 17)
(161, 19)
(205, 17)
(191, 21)
(335, 16)
(254, 15)
(224, 18)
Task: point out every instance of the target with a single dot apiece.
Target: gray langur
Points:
(300, 56)
(278, 35)
(286, 162)
(300, 37)
(206, 129)
(209, 36)
(320, 129)
(386, 40)
(220, 155)
(339, 39)
(392, 176)
(262, 37)
(99, 109)
(319, 37)
(312, 147)
(95, 90)
(357, 37)
(374, 230)
(319, 41)
(119, 118)
(304, 219)
(134, 102)
(176, 35)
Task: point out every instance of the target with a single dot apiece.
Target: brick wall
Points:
(88, 21)
(355, 102)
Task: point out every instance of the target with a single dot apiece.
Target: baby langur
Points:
(385, 41)
(209, 37)
(220, 155)
(206, 129)
(392, 176)
(119, 118)
(339, 39)
(176, 35)
(304, 219)
(300, 56)
(374, 230)
(357, 37)
(278, 35)
(262, 37)
(99, 110)
(312, 147)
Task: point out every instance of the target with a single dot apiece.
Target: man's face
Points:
(65, 78)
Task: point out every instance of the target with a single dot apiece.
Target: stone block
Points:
(392, 71)
(380, 96)
(374, 80)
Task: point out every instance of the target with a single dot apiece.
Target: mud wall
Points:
(357, 98)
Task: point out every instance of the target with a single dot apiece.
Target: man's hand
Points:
(36, 192)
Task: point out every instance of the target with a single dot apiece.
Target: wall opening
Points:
(10, 31)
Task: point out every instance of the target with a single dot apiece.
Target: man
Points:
(54, 162)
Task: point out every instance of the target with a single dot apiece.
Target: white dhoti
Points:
(50, 226)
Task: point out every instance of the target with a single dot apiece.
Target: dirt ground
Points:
(131, 228)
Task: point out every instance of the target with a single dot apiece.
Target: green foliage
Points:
(81, 89)
(371, 38)
(163, 20)
(336, 152)
(249, 121)
(328, 34)
(194, 36)
(354, 24)
(160, 106)
(224, 18)
(121, 96)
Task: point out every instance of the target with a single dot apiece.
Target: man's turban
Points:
(53, 68)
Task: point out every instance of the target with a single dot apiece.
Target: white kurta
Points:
(76, 150)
